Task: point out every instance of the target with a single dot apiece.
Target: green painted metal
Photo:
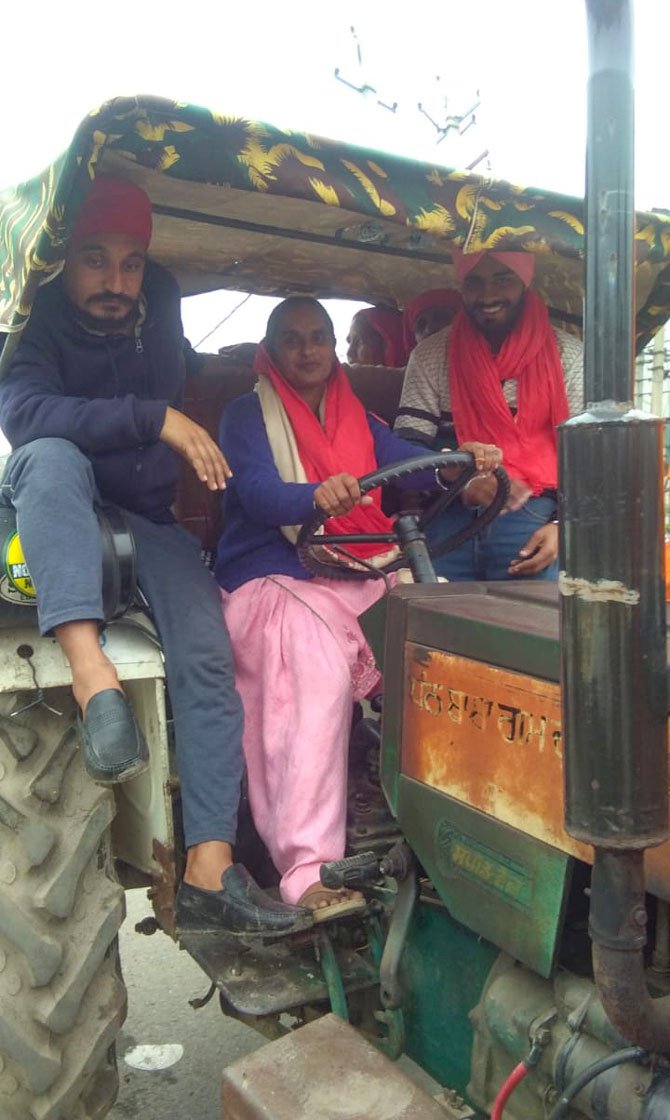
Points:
(499, 882)
(445, 969)
(333, 977)
(502, 625)
(373, 625)
(394, 677)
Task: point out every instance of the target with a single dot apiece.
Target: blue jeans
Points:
(488, 555)
(51, 486)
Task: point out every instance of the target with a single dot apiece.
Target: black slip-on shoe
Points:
(240, 909)
(112, 744)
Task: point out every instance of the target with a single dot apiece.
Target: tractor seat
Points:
(325, 1070)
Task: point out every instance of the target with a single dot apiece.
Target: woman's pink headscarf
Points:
(387, 322)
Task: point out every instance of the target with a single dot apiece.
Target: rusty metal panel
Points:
(491, 738)
(488, 737)
(323, 1071)
(279, 975)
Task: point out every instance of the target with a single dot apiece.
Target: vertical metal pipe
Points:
(612, 601)
(612, 609)
(609, 338)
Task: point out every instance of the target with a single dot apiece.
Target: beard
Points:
(496, 333)
(109, 324)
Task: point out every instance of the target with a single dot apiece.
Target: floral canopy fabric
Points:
(249, 206)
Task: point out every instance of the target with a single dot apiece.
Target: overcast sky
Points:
(275, 62)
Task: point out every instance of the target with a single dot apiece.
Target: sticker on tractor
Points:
(16, 586)
(460, 854)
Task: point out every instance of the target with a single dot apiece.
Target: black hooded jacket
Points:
(106, 394)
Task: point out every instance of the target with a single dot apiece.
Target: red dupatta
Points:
(529, 355)
(342, 442)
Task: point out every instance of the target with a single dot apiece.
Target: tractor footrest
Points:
(325, 1070)
(268, 978)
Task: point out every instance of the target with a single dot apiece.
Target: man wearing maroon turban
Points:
(501, 373)
(92, 409)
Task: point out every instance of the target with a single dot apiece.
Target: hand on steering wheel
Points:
(310, 541)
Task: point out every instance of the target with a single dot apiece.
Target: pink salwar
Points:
(301, 660)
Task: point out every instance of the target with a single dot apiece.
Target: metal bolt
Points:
(640, 916)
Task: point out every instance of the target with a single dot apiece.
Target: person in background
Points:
(298, 443)
(428, 313)
(376, 338)
(501, 373)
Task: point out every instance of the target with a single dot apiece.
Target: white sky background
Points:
(274, 61)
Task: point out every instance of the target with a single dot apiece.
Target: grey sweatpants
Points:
(51, 485)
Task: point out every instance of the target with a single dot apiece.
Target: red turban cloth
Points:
(523, 264)
(388, 323)
(114, 205)
(436, 297)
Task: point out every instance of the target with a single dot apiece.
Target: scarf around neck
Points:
(530, 356)
(307, 448)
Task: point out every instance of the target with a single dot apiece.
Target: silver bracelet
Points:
(440, 482)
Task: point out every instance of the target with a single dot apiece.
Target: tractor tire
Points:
(62, 998)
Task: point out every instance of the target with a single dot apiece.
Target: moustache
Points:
(112, 297)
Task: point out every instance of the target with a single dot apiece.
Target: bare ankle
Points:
(206, 863)
(92, 671)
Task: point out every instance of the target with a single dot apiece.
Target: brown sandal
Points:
(342, 902)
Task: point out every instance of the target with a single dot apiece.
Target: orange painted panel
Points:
(491, 738)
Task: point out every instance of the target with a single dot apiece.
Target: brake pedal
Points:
(361, 870)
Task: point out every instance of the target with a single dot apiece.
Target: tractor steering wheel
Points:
(310, 544)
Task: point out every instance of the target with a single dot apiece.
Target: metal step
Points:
(275, 976)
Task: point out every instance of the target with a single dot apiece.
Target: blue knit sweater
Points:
(257, 502)
(106, 394)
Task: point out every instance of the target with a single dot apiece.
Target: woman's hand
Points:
(339, 494)
(538, 553)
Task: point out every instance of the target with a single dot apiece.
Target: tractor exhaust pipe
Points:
(612, 597)
(617, 925)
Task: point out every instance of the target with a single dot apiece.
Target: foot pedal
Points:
(361, 870)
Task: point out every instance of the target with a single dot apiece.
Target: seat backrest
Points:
(378, 388)
(208, 394)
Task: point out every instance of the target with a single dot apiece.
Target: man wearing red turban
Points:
(92, 409)
(504, 375)
(428, 313)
